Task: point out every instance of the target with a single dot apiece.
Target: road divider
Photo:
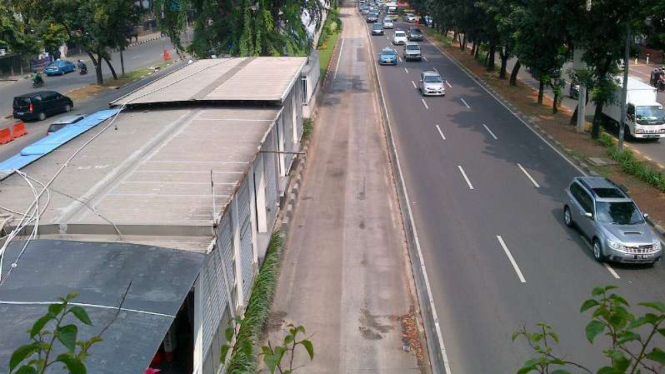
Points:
(528, 176)
(490, 131)
(440, 132)
(467, 105)
(5, 136)
(512, 260)
(468, 182)
(19, 129)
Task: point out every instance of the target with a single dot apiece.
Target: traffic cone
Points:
(167, 56)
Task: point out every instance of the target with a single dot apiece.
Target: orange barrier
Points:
(19, 129)
(5, 136)
(167, 55)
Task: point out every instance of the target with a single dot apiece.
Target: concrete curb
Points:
(293, 191)
(140, 42)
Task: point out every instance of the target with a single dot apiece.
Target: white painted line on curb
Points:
(512, 260)
(607, 266)
(414, 84)
(406, 70)
(467, 105)
(440, 132)
(528, 176)
(425, 104)
(449, 86)
(339, 58)
(420, 259)
(490, 131)
(465, 177)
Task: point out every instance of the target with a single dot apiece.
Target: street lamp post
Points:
(624, 92)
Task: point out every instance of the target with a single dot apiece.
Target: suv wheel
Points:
(567, 216)
(68, 108)
(41, 116)
(598, 251)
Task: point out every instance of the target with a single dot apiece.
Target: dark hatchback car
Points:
(39, 105)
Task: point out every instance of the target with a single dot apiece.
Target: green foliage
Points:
(174, 19)
(43, 352)
(327, 41)
(251, 327)
(631, 165)
(629, 337)
(307, 128)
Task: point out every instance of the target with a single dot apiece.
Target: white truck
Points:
(645, 117)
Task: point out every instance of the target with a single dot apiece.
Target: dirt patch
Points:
(371, 327)
(578, 146)
(410, 337)
(276, 320)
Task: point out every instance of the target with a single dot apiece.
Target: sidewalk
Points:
(346, 275)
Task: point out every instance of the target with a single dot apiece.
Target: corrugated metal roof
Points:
(231, 79)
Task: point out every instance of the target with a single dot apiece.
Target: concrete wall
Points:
(311, 75)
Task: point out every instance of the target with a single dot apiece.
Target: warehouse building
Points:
(175, 197)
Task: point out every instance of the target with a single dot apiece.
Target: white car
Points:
(399, 38)
(388, 23)
(410, 17)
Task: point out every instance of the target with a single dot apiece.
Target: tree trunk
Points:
(115, 76)
(122, 61)
(597, 115)
(477, 53)
(491, 59)
(96, 62)
(504, 63)
(555, 108)
(541, 91)
(513, 74)
(473, 48)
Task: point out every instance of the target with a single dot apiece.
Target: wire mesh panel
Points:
(246, 249)
(213, 297)
(288, 134)
(270, 173)
(226, 245)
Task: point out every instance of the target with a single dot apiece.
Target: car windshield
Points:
(377, 26)
(400, 33)
(432, 79)
(388, 53)
(416, 31)
(20, 102)
(412, 48)
(623, 213)
(649, 113)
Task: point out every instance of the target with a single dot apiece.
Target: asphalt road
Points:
(37, 130)
(482, 188)
(136, 57)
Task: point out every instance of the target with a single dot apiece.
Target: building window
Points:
(304, 90)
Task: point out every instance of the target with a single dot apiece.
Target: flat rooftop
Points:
(150, 174)
(222, 80)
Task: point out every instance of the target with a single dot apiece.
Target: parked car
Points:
(60, 67)
(39, 105)
(415, 34)
(377, 29)
(412, 51)
(399, 37)
(388, 56)
(409, 17)
(431, 83)
(610, 219)
(388, 23)
(62, 122)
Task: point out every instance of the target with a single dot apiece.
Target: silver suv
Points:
(412, 51)
(611, 220)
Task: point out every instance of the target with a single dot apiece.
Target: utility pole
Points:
(624, 92)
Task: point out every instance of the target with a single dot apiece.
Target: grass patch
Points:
(444, 39)
(307, 128)
(257, 313)
(631, 165)
(328, 39)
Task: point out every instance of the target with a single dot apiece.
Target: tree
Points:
(53, 36)
(16, 34)
(629, 338)
(55, 341)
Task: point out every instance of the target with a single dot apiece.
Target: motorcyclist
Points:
(37, 78)
(82, 66)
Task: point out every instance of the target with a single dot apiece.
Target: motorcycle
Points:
(83, 70)
(37, 84)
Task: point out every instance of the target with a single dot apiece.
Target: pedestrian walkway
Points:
(346, 275)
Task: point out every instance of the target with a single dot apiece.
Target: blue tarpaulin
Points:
(44, 146)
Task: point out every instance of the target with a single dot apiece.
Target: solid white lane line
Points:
(607, 266)
(528, 176)
(424, 58)
(425, 104)
(467, 105)
(512, 260)
(449, 86)
(341, 48)
(414, 84)
(406, 70)
(440, 132)
(490, 131)
(465, 177)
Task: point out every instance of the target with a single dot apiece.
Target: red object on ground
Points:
(151, 371)
(19, 129)
(5, 136)
(167, 55)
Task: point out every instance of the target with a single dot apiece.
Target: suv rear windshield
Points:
(623, 213)
(21, 102)
(416, 31)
